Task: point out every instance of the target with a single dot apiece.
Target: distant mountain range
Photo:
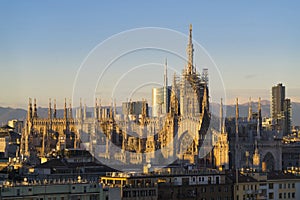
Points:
(265, 109)
(7, 114)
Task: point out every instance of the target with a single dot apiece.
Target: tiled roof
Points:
(52, 163)
(281, 175)
(62, 163)
(241, 178)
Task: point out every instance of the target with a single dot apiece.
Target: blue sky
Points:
(255, 44)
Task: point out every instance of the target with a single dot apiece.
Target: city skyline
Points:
(153, 100)
(254, 45)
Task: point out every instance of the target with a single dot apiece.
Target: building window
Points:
(293, 195)
(280, 186)
(289, 185)
(271, 196)
(270, 185)
(293, 185)
(209, 180)
(289, 195)
(284, 195)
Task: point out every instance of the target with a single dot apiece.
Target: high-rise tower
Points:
(277, 103)
(287, 110)
(281, 109)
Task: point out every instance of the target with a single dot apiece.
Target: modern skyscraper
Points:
(287, 109)
(157, 101)
(281, 109)
(278, 96)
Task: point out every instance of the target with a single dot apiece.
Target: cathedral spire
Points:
(165, 105)
(256, 157)
(29, 112)
(173, 99)
(166, 74)
(70, 109)
(54, 108)
(84, 111)
(49, 110)
(34, 109)
(190, 52)
(96, 109)
(111, 110)
(115, 108)
(65, 109)
(79, 110)
(144, 112)
(259, 120)
(259, 107)
(100, 110)
(249, 109)
(205, 99)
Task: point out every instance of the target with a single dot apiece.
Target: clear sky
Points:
(255, 44)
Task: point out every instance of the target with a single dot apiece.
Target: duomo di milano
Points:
(178, 135)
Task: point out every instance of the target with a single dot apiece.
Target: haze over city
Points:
(255, 45)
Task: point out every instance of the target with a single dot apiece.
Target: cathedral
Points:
(252, 146)
(43, 136)
(177, 136)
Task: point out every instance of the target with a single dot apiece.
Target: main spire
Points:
(166, 74)
(190, 52)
